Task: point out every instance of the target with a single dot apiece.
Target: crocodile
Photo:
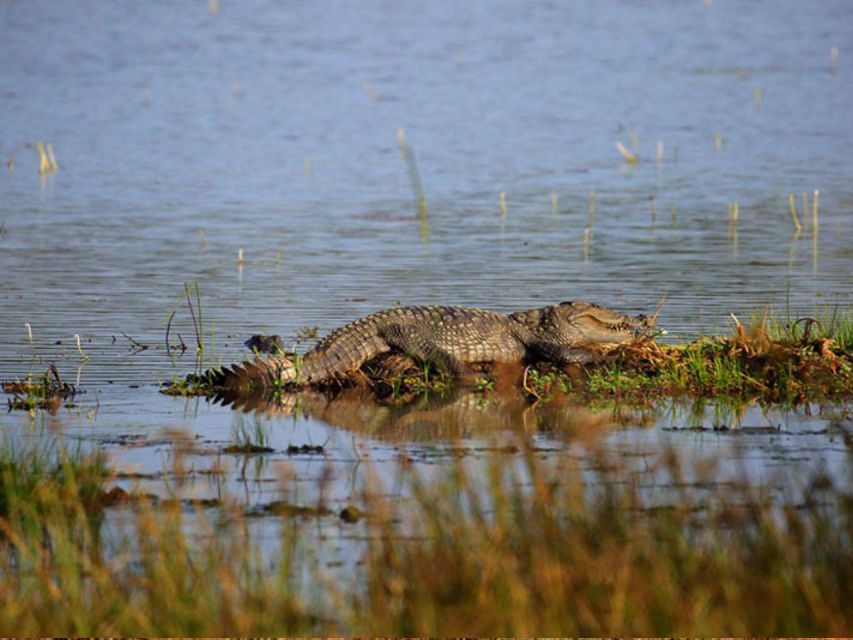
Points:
(454, 340)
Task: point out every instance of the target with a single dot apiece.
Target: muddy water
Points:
(185, 134)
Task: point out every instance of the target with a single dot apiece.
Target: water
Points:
(184, 135)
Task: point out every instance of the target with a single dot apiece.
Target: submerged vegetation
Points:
(524, 547)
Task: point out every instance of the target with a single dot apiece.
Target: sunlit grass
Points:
(526, 546)
(628, 156)
(47, 158)
(779, 360)
(537, 552)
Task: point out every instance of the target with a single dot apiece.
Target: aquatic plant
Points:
(247, 438)
(629, 157)
(48, 391)
(793, 209)
(409, 158)
(47, 158)
(591, 208)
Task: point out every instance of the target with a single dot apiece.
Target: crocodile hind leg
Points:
(421, 346)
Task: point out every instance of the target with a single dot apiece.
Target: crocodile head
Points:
(587, 324)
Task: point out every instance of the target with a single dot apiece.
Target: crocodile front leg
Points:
(567, 354)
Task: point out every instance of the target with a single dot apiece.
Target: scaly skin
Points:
(451, 339)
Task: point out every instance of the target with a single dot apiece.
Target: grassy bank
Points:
(528, 548)
(788, 362)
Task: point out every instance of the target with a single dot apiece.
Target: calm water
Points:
(184, 135)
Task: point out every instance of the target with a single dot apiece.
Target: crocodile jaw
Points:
(605, 338)
(602, 328)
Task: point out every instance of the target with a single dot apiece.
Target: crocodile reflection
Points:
(457, 413)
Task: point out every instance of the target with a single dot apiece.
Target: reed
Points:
(80, 348)
(408, 155)
(630, 158)
(51, 158)
(793, 209)
(197, 327)
(734, 213)
(814, 211)
(30, 338)
(47, 158)
(44, 162)
(591, 208)
(814, 229)
(248, 439)
(502, 200)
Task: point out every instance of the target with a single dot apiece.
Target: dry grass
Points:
(538, 553)
(528, 548)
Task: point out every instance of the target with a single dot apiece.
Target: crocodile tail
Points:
(257, 374)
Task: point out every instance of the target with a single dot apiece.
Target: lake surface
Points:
(308, 136)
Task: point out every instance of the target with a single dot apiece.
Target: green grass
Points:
(37, 467)
(249, 438)
(834, 324)
(194, 384)
(544, 385)
(777, 361)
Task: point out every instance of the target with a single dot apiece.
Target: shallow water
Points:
(184, 135)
